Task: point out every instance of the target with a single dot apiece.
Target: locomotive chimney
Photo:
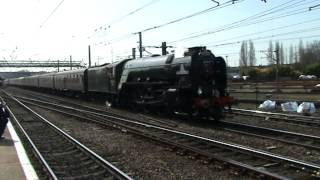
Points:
(89, 55)
(164, 48)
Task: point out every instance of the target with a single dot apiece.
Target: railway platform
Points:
(14, 163)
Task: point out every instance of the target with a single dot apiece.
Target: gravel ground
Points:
(208, 129)
(263, 144)
(140, 158)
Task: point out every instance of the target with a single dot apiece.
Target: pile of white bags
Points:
(303, 108)
(268, 105)
(306, 108)
(289, 107)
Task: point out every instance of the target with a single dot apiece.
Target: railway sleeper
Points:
(253, 162)
(296, 168)
(238, 171)
(206, 160)
(193, 156)
(182, 152)
(94, 175)
(76, 167)
(83, 164)
(62, 153)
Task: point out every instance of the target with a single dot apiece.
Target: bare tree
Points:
(296, 56)
(281, 54)
(243, 61)
(277, 49)
(252, 54)
(285, 52)
(300, 50)
(291, 55)
(311, 53)
(270, 55)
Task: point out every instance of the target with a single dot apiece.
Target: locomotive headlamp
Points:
(199, 90)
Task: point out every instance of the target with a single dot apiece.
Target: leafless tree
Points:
(296, 56)
(311, 53)
(252, 54)
(270, 56)
(243, 61)
(291, 55)
(281, 54)
(300, 50)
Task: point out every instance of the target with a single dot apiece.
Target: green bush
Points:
(313, 69)
(269, 73)
(287, 71)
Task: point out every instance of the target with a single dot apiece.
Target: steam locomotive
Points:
(194, 84)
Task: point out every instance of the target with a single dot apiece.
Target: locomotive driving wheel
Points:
(199, 113)
(193, 112)
(208, 114)
(137, 99)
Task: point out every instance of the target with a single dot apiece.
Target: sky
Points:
(58, 29)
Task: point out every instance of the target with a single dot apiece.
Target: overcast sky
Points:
(56, 29)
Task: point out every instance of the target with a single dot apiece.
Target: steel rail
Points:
(269, 133)
(96, 110)
(112, 169)
(38, 154)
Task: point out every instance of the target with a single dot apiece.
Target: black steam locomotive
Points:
(194, 84)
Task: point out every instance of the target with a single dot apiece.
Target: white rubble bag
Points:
(289, 107)
(306, 108)
(268, 105)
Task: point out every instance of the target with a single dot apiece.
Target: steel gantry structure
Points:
(41, 63)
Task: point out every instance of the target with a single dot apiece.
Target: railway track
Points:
(299, 139)
(62, 156)
(61, 101)
(243, 159)
(289, 118)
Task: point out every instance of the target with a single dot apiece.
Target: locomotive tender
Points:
(194, 84)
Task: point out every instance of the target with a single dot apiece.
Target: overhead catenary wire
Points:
(255, 16)
(114, 40)
(249, 20)
(212, 32)
(265, 17)
(127, 53)
(313, 7)
(218, 6)
(261, 40)
(236, 22)
(269, 30)
(54, 10)
(266, 37)
(108, 25)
